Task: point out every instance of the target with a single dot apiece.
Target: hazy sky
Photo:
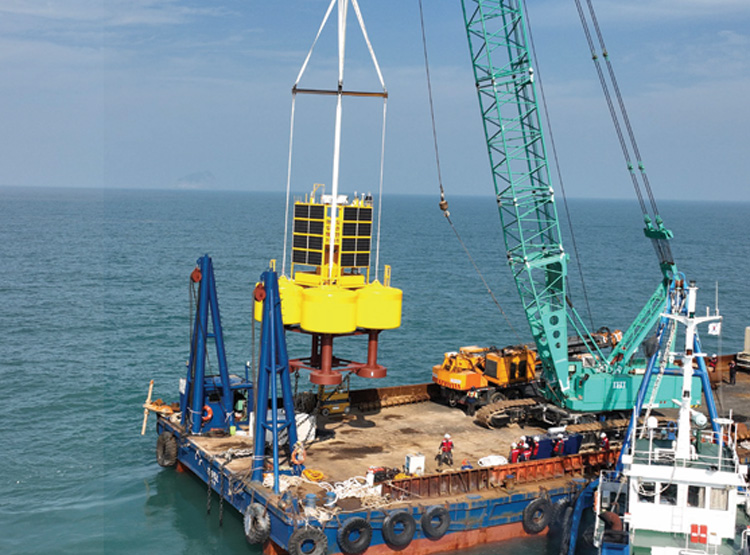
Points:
(166, 93)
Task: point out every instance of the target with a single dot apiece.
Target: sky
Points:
(197, 94)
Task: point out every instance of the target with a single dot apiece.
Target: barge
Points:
(362, 480)
(431, 513)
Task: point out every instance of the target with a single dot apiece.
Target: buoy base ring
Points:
(371, 371)
(321, 377)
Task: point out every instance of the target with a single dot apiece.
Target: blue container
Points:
(310, 500)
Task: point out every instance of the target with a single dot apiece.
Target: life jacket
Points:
(527, 454)
(605, 443)
(514, 453)
(559, 447)
(446, 446)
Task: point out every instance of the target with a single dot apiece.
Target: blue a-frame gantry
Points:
(273, 373)
(207, 401)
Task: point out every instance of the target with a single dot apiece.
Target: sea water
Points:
(95, 303)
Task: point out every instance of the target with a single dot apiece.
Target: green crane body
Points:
(498, 45)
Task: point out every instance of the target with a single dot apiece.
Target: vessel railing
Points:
(708, 449)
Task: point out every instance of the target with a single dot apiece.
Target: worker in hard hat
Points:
(558, 449)
(445, 452)
(535, 447)
(603, 442)
(472, 398)
(526, 452)
(515, 452)
(712, 362)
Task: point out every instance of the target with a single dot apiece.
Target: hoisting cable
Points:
(624, 112)
(380, 190)
(291, 134)
(610, 105)
(661, 246)
(362, 27)
(557, 166)
(443, 202)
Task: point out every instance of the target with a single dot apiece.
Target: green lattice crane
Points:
(498, 44)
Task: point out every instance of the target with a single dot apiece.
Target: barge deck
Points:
(482, 504)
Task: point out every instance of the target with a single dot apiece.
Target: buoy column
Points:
(330, 294)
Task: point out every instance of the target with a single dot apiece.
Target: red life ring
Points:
(299, 455)
(208, 414)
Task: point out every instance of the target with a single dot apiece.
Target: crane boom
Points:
(504, 76)
(525, 199)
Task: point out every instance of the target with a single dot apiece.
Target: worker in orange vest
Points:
(515, 452)
(559, 448)
(604, 442)
(535, 447)
(472, 398)
(446, 450)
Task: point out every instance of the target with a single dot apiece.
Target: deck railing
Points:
(506, 476)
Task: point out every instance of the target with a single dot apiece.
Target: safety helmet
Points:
(603, 435)
(536, 438)
(513, 446)
(559, 436)
(447, 436)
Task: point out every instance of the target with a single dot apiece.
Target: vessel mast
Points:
(691, 322)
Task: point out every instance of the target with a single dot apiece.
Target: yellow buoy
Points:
(328, 309)
(379, 307)
(291, 303)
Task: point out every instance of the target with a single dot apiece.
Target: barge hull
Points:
(484, 504)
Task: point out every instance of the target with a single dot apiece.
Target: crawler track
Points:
(372, 400)
(489, 415)
(606, 426)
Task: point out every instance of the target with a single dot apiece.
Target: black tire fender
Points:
(166, 449)
(398, 530)
(556, 517)
(435, 530)
(565, 537)
(307, 541)
(257, 524)
(354, 536)
(536, 515)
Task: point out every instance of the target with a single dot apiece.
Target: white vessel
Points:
(679, 486)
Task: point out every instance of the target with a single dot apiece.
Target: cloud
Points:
(616, 14)
(651, 10)
(111, 12)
